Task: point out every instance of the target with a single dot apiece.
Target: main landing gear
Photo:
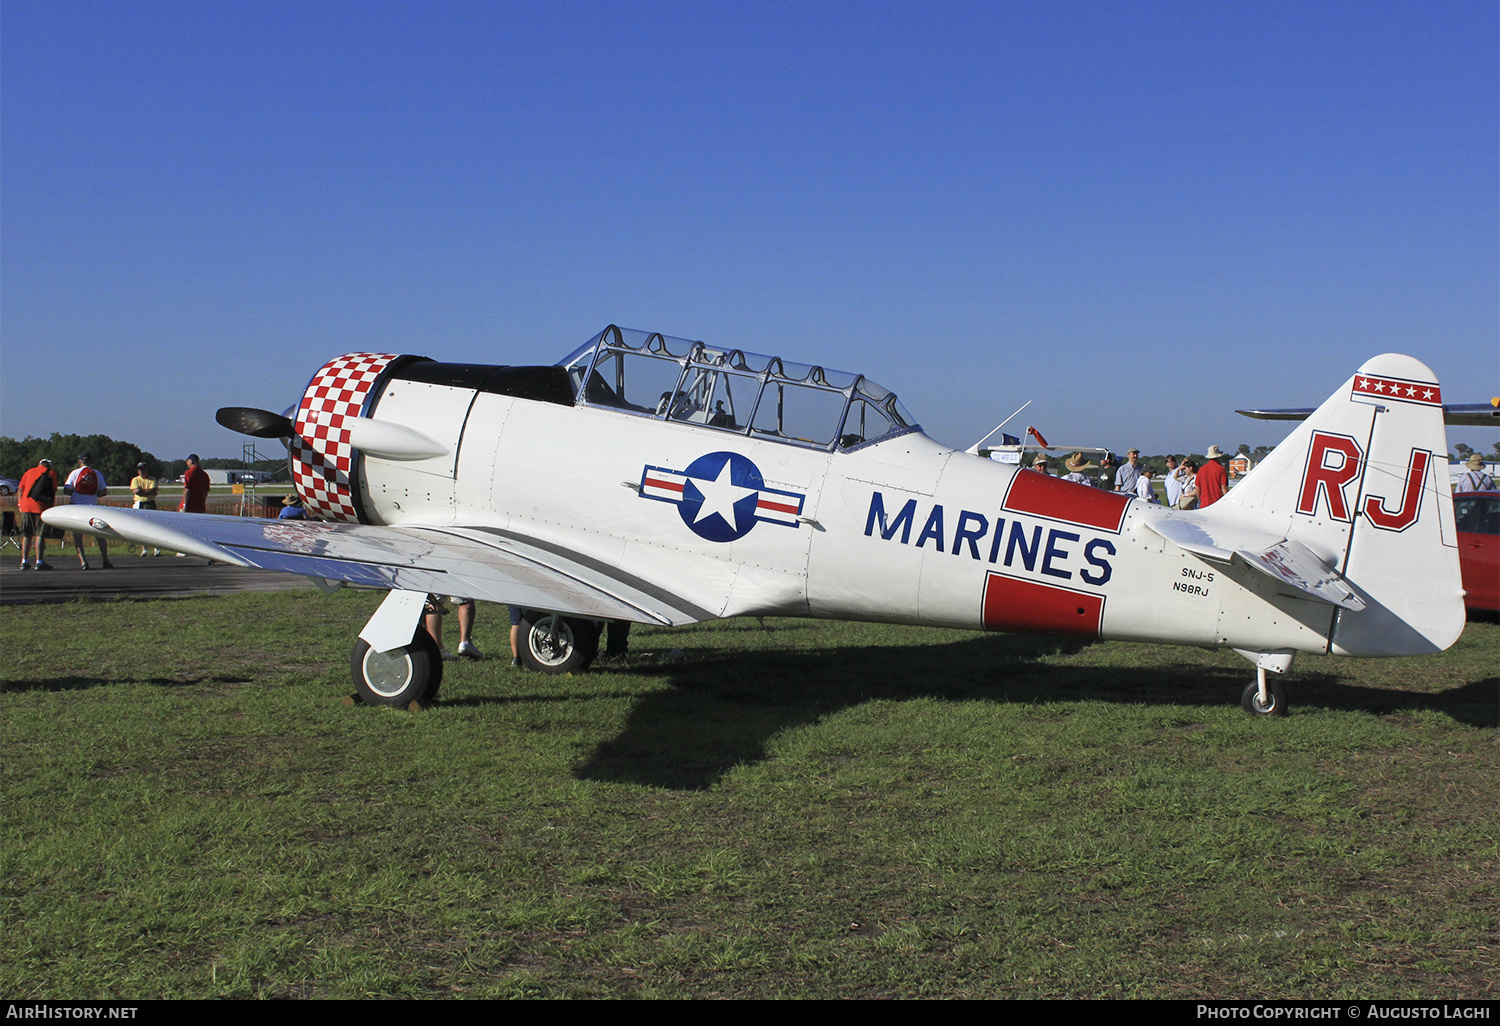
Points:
(399, 676)
(557, 644)
(395, 661)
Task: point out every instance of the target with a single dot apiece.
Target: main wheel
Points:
(557, 644)
(398, 677)
(1251, 703)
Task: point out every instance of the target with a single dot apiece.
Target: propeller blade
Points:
(253, 422)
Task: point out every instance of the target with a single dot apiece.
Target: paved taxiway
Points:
(134, 577)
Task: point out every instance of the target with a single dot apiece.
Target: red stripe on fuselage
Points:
(1045, 496)
(1026, 607)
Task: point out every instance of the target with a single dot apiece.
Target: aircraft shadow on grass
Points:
(84, 683)
(724, 709)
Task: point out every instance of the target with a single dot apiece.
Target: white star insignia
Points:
(719, 497)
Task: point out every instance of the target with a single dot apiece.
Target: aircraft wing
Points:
(1287, 561)
(479, 563)
(1454, 414)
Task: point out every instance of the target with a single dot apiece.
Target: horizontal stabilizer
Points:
(1289, 562)
(1295, 564)
(1454, 414)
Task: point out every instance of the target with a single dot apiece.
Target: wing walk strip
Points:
(645, 587)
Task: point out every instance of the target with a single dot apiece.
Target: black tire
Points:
(1250, 699)
(557, 644)
(398, 677)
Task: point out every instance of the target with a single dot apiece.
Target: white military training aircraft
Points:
(658, 480)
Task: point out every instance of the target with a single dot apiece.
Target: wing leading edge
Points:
(473, 562)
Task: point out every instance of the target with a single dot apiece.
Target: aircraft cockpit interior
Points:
(648, 374)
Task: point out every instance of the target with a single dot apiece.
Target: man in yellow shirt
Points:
(143, 491)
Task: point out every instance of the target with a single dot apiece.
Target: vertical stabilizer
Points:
(1362, 483)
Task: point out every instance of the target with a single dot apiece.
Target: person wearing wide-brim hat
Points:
(1213, 479)
(1475, 478)
(291, 508)
(1076, 464)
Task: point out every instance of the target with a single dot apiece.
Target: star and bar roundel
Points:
(721, 496)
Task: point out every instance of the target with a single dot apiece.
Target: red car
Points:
(1478, 515)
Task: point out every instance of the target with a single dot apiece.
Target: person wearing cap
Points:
(86, 486)
(1076, 464)
(1129, 473)
(1107, 472)
(1213, 480)
(194, 487)
(35, 494)
(1474, 479)
(143, 491)
(1040, 465)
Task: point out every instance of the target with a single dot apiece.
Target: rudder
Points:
(1362, 483)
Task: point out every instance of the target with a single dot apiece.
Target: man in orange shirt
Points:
(36, 493)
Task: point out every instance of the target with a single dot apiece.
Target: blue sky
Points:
(1139, 214)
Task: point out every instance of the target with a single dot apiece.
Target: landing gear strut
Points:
(1263, 697)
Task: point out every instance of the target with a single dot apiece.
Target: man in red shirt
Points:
(35, 494)
(1213, 482)
(194, 487)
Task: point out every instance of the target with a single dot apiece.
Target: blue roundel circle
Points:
(720, 496)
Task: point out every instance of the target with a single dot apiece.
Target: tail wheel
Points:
(557, 644)
(1275, 704)
(400, 676)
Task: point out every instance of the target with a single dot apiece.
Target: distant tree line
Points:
(114, 459)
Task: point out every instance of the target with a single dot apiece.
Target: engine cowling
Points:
(324, 460)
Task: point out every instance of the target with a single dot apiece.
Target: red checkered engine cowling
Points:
(322, 458)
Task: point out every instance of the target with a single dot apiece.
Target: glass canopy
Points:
(648, 374)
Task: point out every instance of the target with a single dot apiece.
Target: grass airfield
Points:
(814, 810)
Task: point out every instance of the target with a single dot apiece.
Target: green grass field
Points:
(817, 810)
